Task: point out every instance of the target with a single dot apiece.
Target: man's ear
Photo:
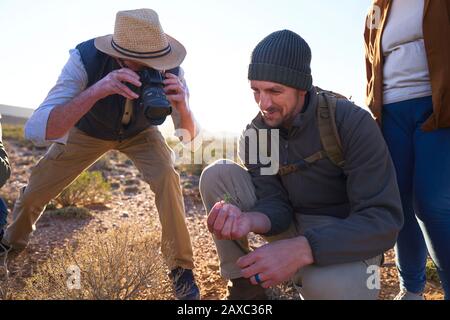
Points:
(302, 93)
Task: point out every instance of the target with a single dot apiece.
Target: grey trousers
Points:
(349, 281)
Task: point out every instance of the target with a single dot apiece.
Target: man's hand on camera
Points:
(176, 92)
(228, 222)
(113, 83)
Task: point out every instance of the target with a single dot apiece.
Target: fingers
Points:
(129, 72)
(257, 270)
(260, 276)
(124, 91)
(222, 221)
(169, 75)
(173, 83)
(268, 284)
(123, 75)
(250, 271)
(223, 215)
(173, 88)
(228, 228)
(241, 227)
(247, 260)
(213, 215)
(113, 83)
(176, 98)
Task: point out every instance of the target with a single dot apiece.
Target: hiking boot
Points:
(184, 284)
(243, 289)
(406, 295)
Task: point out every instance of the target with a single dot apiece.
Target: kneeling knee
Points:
(216, 172)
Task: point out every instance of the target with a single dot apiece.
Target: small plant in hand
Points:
(227, 198)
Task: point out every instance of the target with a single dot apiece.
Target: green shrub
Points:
(13, 132)
(88, 188)
(432, 272)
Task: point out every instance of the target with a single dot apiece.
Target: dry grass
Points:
(121, 264)
(90, 187)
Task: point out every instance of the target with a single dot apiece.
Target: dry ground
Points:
(132, 202)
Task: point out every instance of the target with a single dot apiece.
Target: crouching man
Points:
(330, 210)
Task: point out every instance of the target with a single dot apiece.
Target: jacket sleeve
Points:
(5, 168)
(376, 214)
(272, 198)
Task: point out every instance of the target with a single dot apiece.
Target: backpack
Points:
(329, 136)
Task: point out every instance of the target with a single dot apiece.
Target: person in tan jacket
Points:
(408, 91)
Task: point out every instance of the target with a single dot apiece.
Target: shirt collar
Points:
(308, 110)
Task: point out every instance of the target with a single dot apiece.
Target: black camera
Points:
(151, 96)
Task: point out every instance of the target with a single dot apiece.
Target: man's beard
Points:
(273, 122)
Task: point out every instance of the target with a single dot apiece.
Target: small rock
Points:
(114, 185)
(131, 190)
(131, 182)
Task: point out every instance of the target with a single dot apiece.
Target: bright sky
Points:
(36, 36)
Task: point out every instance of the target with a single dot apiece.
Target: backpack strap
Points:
(301, 164)
(329, 136)
(326, 120)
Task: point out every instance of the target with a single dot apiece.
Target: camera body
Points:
(151, 96)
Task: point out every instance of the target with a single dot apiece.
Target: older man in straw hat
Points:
(92, 109)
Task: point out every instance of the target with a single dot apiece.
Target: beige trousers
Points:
(62, 164)
(356, 280)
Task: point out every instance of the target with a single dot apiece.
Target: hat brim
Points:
(169, 61)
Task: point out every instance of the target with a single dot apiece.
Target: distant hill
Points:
(14, 115)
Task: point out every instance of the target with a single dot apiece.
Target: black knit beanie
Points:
(282, 57)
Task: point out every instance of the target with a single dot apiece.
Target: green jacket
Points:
(363, 194)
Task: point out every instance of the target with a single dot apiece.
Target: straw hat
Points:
(138, 36)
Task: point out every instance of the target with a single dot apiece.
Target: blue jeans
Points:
(3, 216)
(422, 162)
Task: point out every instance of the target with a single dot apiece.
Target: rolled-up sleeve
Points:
(176, 119)
(71, 82)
